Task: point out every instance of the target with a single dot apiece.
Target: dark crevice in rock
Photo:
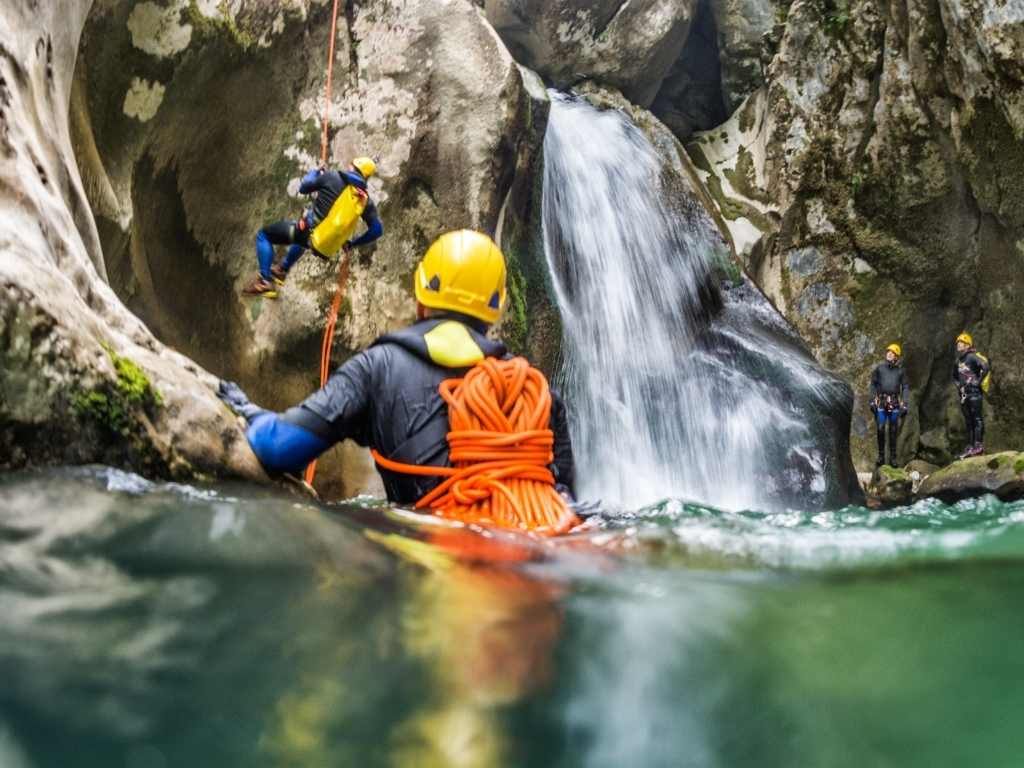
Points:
(188, 289)
(690, 98)
(873, 99)
(353, 41)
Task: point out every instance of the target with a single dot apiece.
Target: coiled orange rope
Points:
(500, 447)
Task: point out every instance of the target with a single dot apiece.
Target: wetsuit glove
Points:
(238, 401)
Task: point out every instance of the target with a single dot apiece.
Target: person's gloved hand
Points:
(238, 401)
(903, 410)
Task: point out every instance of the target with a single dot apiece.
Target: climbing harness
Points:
(500, 448)
(332, 315)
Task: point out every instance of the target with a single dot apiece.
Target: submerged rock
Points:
(1000, 473)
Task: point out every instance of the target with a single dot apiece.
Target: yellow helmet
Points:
(896, 348)
(365, 166)
(463, 271)
(965, 337)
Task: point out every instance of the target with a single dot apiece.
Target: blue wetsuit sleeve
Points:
(310, 182)
(281, 446)
(374, 230)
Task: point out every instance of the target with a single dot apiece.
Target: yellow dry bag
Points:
(339, 225)
(986, 383)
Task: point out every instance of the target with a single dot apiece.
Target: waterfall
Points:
(668, 401)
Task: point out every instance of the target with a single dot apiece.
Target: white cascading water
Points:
(654, 416)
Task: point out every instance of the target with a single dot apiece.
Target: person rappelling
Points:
(889, 396)
(341, 199)
(401, 398)
(972, 375)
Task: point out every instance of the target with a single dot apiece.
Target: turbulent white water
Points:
(654, 415)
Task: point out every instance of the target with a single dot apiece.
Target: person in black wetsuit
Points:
(969, 374)
(386, 397)
(889, 396)
(326, 186)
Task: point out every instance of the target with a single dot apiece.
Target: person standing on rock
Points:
(971, 376)
(890, 398)
(387, 397)
(340, 200)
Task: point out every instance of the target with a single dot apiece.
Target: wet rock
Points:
(81, 379)
(1000, 473)
(629, 46)
(744, 30)
(890, 486)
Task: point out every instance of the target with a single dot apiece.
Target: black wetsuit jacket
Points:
(968, 373)
(889, 379)
(387, 398)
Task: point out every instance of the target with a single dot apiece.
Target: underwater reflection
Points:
(476, 631)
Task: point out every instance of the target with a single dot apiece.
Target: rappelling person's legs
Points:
(293, 233)
(280, 271)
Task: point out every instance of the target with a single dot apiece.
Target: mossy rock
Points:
(115, 406)
(1001, 474)
(890, 486)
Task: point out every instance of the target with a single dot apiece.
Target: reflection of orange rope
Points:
(332, 316)
(500, 446)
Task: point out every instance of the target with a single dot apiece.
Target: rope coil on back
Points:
(500, 447)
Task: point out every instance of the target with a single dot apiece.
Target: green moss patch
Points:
(516, 323)
(224, 24)
(115, 405)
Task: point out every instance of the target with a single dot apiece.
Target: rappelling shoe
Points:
(880, 461)
(279, 274)
(967, 453)
(261, 287)
(977, 450)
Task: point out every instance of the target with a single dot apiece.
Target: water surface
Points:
(148, 624)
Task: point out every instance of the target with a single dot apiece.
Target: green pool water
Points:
(147, 625)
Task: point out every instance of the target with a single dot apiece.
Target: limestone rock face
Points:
(1000, 473)
(194, 122)
(191, 124)
(81, 379)
(873, 186)
(629, 46)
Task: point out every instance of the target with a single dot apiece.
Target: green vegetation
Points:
(225, 23)
(516, 325)
(1018, 465)
(112, 406)
(893, 474)
(837, 16)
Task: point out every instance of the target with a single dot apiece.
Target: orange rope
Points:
(500, 447)
(332, 316)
